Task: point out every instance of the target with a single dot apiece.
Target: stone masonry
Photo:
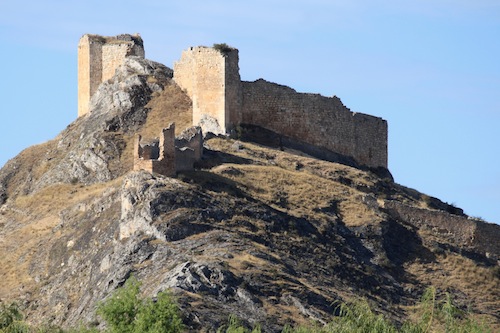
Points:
(222, 102)
(157, 156)
(463, 231)
(168, 155)
(98, 58)
(211, 78)
(317, 120)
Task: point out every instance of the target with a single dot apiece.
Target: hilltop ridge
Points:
(260, 229)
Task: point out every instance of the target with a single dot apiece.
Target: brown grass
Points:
(32, 163)
(296, 193)
(33, 220)
(170, 105)
(479, 285)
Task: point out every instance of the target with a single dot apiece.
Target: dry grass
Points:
(31, 228)
(479, 286)
(242, 262)
(299, 194)
(170, 105)
(167, 106)
(32, 163)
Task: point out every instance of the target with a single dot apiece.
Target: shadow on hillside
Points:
(268, 138)
(213, 158)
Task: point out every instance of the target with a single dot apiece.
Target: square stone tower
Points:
(98, 58)
(210, 76)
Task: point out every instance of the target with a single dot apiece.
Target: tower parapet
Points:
(98, 58)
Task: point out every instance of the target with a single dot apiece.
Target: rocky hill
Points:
(266, 233)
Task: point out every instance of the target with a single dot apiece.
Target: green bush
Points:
(234, 326)
(11, 319)
(442, 316)
(119, 311)
(125, 312)
(158, 317)
(354, 317)
(357, 317)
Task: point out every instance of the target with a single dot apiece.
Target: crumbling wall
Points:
(317, 120)
(158, 156)
(192, 138)
(461, 230)
(98, 58)
(168, 155)
(211, 79)
(184, 159)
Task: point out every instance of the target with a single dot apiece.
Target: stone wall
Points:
(157, 157)
(98, 58)
(169, 155)
(317, 120)
(191, 138)
(462, 231)
(211, 79)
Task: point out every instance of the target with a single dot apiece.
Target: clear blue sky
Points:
(431, 68)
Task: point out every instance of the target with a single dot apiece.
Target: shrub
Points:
(442, 316)
(223, 48)
(11, 319)
(125, 312)
(160, 316)
(234, 326)
(119, 311)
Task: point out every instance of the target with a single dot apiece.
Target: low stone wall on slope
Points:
(471, 233)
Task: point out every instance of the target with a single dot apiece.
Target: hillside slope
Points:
(273, 236)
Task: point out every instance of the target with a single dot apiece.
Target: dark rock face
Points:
(269, 235)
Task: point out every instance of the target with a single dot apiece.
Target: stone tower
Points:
(211, 78)
(98, 58)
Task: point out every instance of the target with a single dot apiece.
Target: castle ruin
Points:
(222, 102)
(98, 58)
(168, 155)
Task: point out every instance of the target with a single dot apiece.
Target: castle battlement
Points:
(222, 102)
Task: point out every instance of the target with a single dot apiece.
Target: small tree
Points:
(160, 316)
(11, 319)
(119, 311)
(223, 48)
(125, 312)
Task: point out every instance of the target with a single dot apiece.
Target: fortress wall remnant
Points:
(476, 234)
(98, 58)
(192, 138)
(168, 155)
(315, 119)
(158, 157)
(211, 79)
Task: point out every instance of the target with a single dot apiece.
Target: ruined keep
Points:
(157, 156)
(98, 58)
(222, 102)
(167, 155)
